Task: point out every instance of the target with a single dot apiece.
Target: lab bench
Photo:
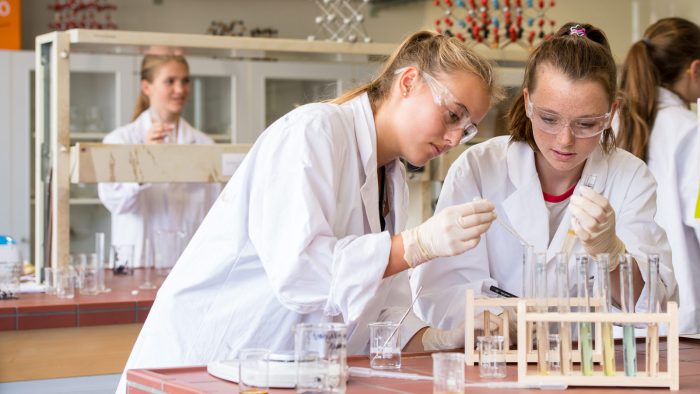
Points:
(43, 336)
(197, 380)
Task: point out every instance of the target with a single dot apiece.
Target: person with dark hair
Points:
(559, 134)
(139, 210)
(311, 226)
(660, 78)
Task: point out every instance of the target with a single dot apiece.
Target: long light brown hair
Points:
(580, 58)
(149, 68)
(430, 52)
(659, 59)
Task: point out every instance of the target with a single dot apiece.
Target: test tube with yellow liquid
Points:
(585, 331)
(629, 344)
(563, 306)
(603, 277)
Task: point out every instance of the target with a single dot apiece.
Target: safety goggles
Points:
(550, 123)
(455, 115)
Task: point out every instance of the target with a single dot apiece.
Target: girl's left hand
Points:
(593, 220)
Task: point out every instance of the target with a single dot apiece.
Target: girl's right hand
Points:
(158, 133)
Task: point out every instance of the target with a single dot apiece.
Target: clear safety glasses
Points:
(551, 123)
(455, 115)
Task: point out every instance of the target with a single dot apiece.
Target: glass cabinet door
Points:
(209, 106)
(283, 95)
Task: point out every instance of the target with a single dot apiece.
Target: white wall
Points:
(295, 18)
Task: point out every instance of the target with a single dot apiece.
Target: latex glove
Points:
(593, 220)
(452, 231)
(437, 339)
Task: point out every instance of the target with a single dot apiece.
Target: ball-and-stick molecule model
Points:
(341, 21)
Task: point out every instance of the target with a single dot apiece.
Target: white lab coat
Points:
(294, 237)
(140, 210)
(505, 174)
(673, 159)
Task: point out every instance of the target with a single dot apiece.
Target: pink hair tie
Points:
(577, 30)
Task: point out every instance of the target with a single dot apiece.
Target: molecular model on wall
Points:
(496, 23)
(83, 14)
(341, 21)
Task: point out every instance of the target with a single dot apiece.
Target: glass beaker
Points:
(254, 371)
(448, 373)
(320, 352)
(122, 259)
(89, 276)
(492, 361)
(167, 250)
(384, 345)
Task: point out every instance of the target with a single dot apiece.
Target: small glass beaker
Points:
(167, 247)
(320, 351)
(122, 257)
(65, 282)
(554, 355)
(448, 373)
(49, 281)
(89, 276)
(385, 345)
(10, 273)
(254, 371)
(492, 363)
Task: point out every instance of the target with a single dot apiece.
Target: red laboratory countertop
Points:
(120, 306)
(196, 379)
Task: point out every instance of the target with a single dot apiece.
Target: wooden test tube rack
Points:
(510, 305)
(668, 378)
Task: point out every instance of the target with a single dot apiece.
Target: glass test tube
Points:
(528, 286)
(541, 305)
(652, 343)
(570, 239)
(629, 345)
(563, 306)
(585, 335)
(603, 260)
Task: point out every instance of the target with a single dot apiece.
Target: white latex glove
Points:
(437, 339)
(452, 231)
(593, 220)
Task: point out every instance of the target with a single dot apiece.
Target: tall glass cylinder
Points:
(629, 344)
(585, 335)
(541, 306)
(100, 254)
(603, 275)
(564, 306)
(653, 306)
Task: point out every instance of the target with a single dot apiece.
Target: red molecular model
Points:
(82, 14)
(496, 23)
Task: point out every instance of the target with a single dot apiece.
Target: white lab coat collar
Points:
(668, 98)
(523, 175)
(366, 134)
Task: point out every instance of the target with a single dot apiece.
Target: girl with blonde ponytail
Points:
(311, 227)
(140, 210)
(660, 78)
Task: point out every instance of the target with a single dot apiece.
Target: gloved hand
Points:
(452, 231)
(593, 220)
(437, 339)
